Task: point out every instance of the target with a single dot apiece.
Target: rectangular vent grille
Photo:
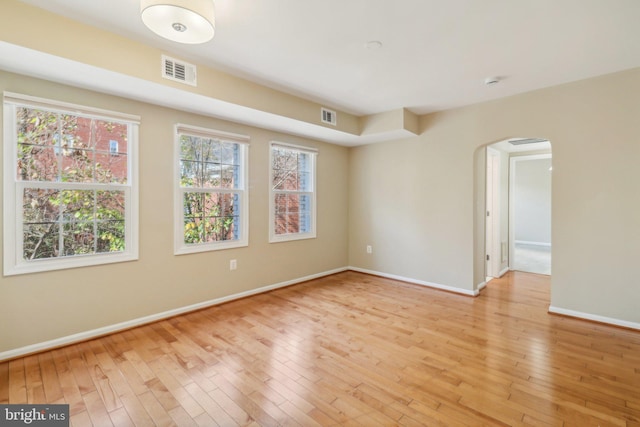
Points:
(526, 141)
(329, 117)
(179, 71)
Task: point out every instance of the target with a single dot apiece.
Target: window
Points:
(68, 202)
(211, 196)
(293, 195)
(113, 147)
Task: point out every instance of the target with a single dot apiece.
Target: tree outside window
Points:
(211, 192)
(72, 189)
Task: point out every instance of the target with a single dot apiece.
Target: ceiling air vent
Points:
(178, 71)
(329, 117)
(524, 141)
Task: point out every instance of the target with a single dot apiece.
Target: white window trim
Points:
(276, 238)
(14, 263)
(181, 248)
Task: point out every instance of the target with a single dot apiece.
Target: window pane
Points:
(189, 173)
(219, 229)
(37, 163)
(293, 203)
(192, 231)
(110, 216)
(41, 240)
(106, 132)
(278, 179)
(111, 236)
(40, 223)
(281, 224)
(78, 238)
(304, 181)
(210, 151)
(220, 217)
(78, 205)
(40, 205)
(212, 204)
(77, 132)
(284, 159)
(36, 127)
(305, 213)
(190, 147)
(230, 176)
(111, 168)
(193, 205)
(74, 149)
(78, 220)
(212, 175)
(280, 203)
(229, 153)
(288, 213)
(77, 165)
(285, 180)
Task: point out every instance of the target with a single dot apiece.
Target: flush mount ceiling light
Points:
(490, 81)
(373, 45)
(182, 21)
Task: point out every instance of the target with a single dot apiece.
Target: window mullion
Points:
(61, 225)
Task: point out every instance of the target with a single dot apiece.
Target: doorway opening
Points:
(518, 207)
(530, 213)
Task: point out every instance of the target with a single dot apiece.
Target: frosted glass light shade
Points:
(182, 21)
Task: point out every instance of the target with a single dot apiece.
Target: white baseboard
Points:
(503, 271)
(481, 286)
(594, 317)
(417, 282)
(94, 333)
(526, 242)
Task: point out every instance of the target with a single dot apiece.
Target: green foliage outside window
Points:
(79, 218)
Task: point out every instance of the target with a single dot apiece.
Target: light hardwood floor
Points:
(349, 349)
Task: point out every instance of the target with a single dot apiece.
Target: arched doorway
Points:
(517, 215)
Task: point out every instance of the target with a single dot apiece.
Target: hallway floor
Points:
(532, 259)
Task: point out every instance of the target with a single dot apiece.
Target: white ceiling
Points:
(435, 54)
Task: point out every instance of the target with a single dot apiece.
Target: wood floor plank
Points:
(349, 349)
(17, 381)
(155, 410)
(33, 380)
(68, 383)
(96, 409)
(120, 418)
(81, 419)
(4, 383)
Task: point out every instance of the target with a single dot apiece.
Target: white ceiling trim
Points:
(21, 60)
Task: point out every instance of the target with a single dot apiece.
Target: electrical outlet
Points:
(369, 249)
(233, 264)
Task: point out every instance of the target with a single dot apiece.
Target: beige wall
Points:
(532, 201)
(414, 199)
(39, 307)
